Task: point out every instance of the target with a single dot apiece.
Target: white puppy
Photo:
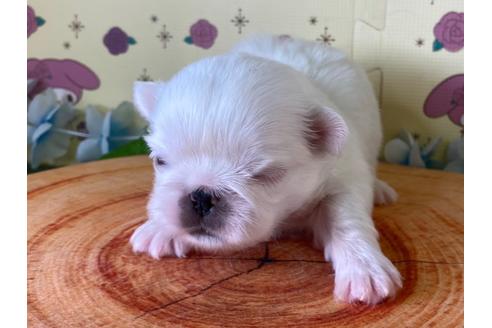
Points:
(276, 134)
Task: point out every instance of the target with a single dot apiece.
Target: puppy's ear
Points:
(145, 96)
(326, 131)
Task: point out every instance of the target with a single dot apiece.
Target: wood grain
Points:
(82, 273)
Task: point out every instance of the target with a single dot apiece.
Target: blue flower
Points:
(405, 150)
(456, 156)
(31, 86)
(45, 115)
(109, 131)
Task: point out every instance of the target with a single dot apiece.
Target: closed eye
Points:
(270, 175)
(159, 161)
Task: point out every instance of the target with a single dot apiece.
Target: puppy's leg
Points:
(362, 272)
(383, 193)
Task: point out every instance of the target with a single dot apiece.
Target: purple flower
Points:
(447, 98)
(33, 22)
(117, 41)
(203, 34)
(450, 32)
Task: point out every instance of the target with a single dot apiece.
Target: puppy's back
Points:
(344, 82)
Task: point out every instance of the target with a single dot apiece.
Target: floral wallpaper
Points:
(202, 34)
(117, 41)
(449, 32)
(88, 54)
(67, 76)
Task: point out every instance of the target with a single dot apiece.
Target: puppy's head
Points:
(238, 142)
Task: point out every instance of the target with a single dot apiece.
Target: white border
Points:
(13, 139)
(478, 166)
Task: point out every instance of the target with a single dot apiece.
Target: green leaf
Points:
(435, 164)
(437, 45)
(131, 40)
(40, 21)
(188, 40)
(137, 147)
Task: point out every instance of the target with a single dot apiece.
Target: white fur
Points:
(223, 119)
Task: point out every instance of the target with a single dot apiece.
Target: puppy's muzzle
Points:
(202, 202)
(202, 210)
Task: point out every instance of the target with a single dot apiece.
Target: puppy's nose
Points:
(202, 202)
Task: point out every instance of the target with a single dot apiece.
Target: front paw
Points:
(366, 281)
(157, 241)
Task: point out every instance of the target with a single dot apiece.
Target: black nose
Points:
(202, 202)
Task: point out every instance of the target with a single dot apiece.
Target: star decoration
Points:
(76, 26)
(326, 38)
(419, 42)
(240, 21)
(154, 18)
(313, 20)
(164, 36)
(144, 76)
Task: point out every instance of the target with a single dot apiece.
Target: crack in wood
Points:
(269, 260)
(261, 261)
(428, 262)
(273, 260)
(264, 260)
(200, 292)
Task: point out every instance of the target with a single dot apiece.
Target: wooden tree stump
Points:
(82, 272)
